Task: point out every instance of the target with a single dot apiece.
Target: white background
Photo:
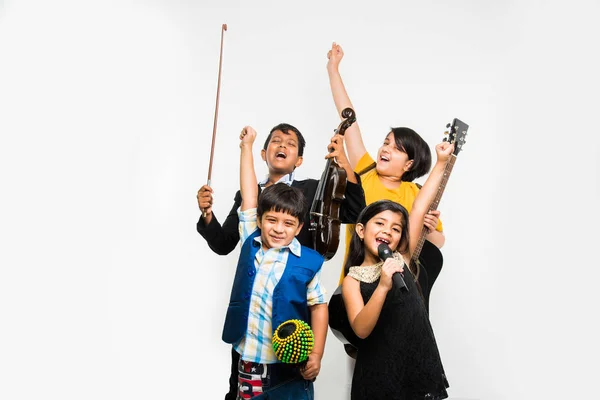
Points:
(106, 116)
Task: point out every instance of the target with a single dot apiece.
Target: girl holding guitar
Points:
(398, 357)
(403, 157)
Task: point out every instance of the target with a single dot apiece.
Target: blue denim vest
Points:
(289, 296)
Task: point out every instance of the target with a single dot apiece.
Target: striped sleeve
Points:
(315, 292)
(248, 223)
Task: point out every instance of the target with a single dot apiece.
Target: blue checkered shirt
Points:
(256, 345)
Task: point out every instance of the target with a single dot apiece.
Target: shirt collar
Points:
(287, 179)
(295, 247)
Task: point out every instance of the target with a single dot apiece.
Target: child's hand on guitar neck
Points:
(431, 220)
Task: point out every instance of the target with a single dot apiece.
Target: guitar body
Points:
(338, 320)
(431, 260)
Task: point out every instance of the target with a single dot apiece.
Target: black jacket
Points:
(223, 239)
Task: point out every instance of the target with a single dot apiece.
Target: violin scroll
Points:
(349, 118)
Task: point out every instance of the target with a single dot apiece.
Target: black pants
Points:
(233, 378)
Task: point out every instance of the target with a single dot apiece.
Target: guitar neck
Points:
(434, 205)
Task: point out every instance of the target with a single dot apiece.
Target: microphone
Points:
(384, 253)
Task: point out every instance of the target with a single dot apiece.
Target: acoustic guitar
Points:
(426, 255)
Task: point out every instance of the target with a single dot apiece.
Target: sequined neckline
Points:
(370, 273)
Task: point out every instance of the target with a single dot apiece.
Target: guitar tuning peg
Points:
(446, 133)
(445, 139)
(448, 125)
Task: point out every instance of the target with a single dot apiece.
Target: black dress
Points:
(399, 359)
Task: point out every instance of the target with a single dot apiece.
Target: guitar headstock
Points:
(457, 132)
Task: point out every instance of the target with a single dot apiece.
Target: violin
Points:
(325, 210)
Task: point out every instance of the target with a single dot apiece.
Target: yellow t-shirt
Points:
(375, 190)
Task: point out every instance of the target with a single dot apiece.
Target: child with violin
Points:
(397, 356)
(277, 279)
(403, 157)
(282, 152)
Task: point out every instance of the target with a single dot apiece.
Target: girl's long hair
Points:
(356, 253)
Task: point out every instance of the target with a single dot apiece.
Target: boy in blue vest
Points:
(276, 280)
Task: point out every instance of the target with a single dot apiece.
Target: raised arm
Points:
(427, 193)
(248, 183)
(354, 143)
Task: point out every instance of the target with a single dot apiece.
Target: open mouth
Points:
(281, 155)
(382, 240)
(384, 158)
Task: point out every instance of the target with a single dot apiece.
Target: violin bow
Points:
(214, 134)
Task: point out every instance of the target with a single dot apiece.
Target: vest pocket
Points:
(304, 271)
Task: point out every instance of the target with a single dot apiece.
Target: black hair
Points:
(284, 198)
(417, 150)
(287, 128)
(356, 253)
